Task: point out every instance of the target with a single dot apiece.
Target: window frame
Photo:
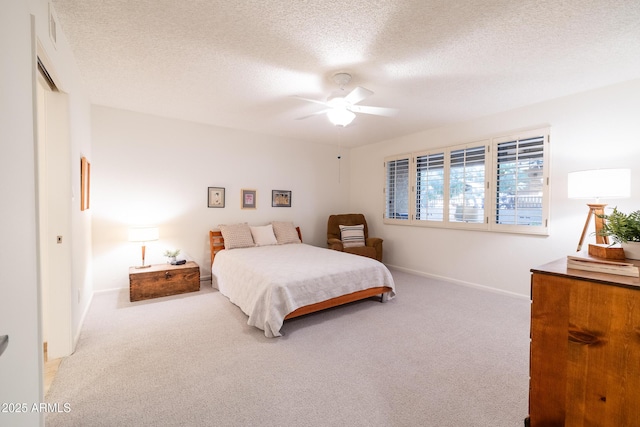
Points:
(489, 202)
(543, 228)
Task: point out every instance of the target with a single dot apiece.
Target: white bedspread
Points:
(269, 282)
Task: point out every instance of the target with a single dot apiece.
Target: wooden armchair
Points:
(372, 247)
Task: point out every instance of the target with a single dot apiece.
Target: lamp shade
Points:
(599, 183)
(143, 234)
(340, 116)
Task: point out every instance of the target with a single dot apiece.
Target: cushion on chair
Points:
(352, 235)
(334, 222)
(371, 247)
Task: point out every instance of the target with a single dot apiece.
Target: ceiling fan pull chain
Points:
(339, 150)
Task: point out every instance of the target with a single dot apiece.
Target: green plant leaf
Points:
(621, 227)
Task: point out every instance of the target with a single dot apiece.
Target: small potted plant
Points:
(624, 229)
(171, 255)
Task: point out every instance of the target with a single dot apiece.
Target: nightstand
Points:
(161, 280)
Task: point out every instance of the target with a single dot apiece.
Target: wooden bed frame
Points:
(216, 242)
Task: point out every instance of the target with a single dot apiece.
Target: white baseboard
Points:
(459, 282)
(76, 337)
(100, 291)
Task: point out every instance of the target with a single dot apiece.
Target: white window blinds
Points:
(520, 184)
(397, 188)
(467, 184)
(430, 186)
(500, 184)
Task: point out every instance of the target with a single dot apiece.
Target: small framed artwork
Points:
(215, 197)
(85, 182)
(248, 198)
(281, 198)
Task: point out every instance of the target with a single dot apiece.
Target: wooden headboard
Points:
(216, 242)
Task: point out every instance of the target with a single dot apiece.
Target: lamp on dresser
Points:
(143, 235)
(598, 184)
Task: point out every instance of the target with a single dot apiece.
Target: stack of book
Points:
(584, 261)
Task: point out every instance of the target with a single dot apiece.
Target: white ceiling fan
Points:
(341, 108)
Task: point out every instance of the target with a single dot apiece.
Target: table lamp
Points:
(143, 235)
(596, 184)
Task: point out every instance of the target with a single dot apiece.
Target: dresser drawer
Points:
(163, 280)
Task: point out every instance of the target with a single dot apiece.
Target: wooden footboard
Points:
(334, 302)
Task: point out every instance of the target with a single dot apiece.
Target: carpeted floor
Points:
(438, 355)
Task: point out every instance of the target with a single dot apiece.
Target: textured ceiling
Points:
(240, 63)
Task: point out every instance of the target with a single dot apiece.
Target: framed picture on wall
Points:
(248, 198)
(281, 198)
(215, 197)
(85, 181)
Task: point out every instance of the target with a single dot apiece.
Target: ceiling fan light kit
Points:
(340, 116)
(341, 109)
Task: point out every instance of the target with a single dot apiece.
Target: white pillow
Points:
(285, 232)
(352, 236)
(263, 235)
(236, 235)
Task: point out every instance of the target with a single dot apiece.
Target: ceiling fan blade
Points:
(315, 101)
(314, 114)
(377, 111)
(357, 95)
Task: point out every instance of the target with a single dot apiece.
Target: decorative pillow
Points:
(285, 232)
(263, 235)
(236, 235)
(352, 235)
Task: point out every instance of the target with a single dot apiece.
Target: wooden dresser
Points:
(162, 280)
(585, 348)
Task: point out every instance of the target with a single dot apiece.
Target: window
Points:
(397, 189)
(520, 182)
(497, 185)
(466, 185)
(430, 187)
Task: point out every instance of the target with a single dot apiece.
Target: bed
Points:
(275, 282)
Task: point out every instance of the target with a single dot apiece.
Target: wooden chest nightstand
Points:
(162, 280)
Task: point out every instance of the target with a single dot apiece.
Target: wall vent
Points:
(53, 26)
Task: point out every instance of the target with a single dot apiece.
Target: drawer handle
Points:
(167, 275)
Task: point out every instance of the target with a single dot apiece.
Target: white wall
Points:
(60, 63)
(21, 365)
(595, 129)
(149, 170)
